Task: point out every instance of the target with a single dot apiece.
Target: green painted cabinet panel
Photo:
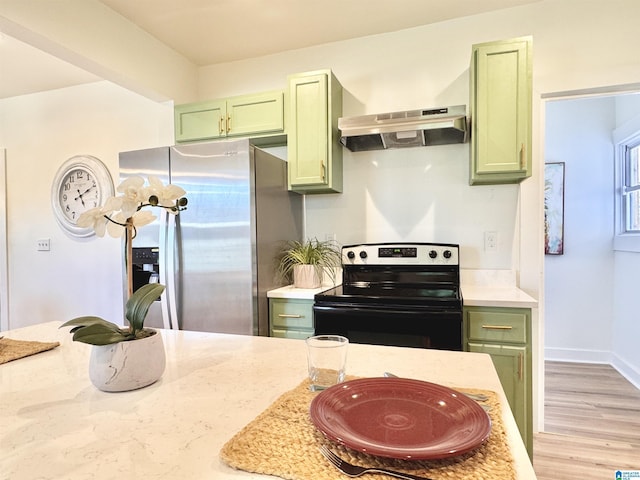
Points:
(290, 318)
(252, 114)
(500, 107)
(314, 151)
(247, 115)
(505, 333)
(200, 121)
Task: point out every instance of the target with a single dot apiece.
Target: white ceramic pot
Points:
(130, 365)
(305, 276)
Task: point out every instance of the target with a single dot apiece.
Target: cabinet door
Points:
(501, 112)
(255, 114)
(314, 150)
(308, 144)
(291, 313)
(513, 365)
(200, 121)
(291, 318)
(498, 325)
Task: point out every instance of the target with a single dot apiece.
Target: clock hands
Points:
(83, 193)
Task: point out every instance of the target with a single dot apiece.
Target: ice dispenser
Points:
(145, 266)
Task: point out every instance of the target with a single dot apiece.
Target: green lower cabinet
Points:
(290, 318)
(505, 334)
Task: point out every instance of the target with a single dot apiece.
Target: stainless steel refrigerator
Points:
(217, 257)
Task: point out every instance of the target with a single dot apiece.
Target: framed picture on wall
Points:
(554, 208)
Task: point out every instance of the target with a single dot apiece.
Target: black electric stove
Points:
(404, 294)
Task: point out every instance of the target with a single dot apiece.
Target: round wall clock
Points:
(82, 183)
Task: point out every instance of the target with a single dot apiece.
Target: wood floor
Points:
(592, 424)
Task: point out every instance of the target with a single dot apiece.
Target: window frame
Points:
(624, 137)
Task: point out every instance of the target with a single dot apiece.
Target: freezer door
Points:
(213, 239)
(149, 241)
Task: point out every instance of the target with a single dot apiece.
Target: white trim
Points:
(577, 355)
(626, 370)
(4, 273)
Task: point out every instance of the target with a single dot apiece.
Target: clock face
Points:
(83, 182)
(79, 192)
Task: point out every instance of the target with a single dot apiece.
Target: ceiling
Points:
(214, 31)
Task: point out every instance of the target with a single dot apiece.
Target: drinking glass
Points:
(327, 356)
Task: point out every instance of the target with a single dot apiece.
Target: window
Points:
(627, 166)
(631, 189)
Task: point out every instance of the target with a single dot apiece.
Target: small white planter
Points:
(130, 365)
(304, 276)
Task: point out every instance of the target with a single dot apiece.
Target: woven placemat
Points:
(15, 349)
(282, 441)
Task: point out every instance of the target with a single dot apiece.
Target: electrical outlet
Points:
(44, 245)
(490, 241)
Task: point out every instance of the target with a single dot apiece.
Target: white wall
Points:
(626, 328)
(40, 132)
(579, 308)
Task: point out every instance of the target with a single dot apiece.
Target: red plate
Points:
(400, 418)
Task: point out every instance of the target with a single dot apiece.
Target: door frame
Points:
(4, 274)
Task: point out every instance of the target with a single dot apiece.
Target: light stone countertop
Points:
(496, 296)
(290, 291)
(472, 294)
(480, 288)
(55, 425)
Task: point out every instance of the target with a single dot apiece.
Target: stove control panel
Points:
(401, 254)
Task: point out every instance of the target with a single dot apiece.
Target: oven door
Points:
(391, 325)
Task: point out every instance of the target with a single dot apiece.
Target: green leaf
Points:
(99, 334)
(86, 321)
(95, 331)
(139, 303)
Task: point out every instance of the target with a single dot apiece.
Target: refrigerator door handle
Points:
(171, 269)
(164, 254)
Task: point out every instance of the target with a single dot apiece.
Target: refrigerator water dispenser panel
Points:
(145, 266)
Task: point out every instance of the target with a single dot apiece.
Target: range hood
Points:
(412, 128)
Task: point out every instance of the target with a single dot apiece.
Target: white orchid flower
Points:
(95, 219)
(112, 217)
(133, 195)
(166, 194)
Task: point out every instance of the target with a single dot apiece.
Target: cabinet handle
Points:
(324, 172)
(289, 315)
(520, 365)
(523, 157)
(221, 125)
(228, 123)
(497, 327)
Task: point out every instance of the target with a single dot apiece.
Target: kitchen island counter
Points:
(55, 424)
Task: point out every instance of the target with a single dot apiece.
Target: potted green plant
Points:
(306, 263)
(126, 358)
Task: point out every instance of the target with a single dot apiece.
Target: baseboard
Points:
(579, 356)
(626, 370)
(595, 356)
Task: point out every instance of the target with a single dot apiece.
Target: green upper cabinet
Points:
(314, 151)
(500, 108)
(243, 116)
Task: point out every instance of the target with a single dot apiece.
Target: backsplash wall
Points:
(417, 195)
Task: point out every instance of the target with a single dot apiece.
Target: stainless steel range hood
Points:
(413, 128)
